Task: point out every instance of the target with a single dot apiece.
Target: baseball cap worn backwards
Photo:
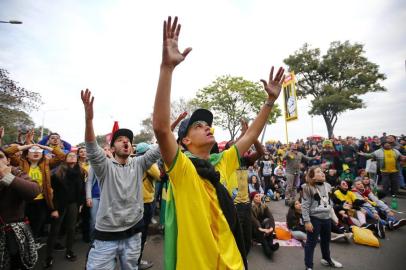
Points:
(122, 132)
(142, 148)
(198, 115)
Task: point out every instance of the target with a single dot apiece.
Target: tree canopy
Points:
(232, 99)
(15, 104)
(336, 80)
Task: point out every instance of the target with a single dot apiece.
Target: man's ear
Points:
(186, 141)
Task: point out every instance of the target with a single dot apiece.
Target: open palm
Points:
(274, 86)
(171, 56)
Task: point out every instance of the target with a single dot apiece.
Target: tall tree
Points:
(147, 133)
(232, 99)
(15, 104)
(335, 80)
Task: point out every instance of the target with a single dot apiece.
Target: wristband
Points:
(7, 179)
(269, 103)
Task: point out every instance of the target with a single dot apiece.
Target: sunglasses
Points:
(35, 150)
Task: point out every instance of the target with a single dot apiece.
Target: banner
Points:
(290, 99)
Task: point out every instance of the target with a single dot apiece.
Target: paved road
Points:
(390, 256)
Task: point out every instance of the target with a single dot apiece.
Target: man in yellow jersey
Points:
(208, 231)
(388, 161)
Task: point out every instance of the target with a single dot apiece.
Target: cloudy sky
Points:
(114, 49)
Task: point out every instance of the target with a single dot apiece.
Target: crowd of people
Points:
(220, 198)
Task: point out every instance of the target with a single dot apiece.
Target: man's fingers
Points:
(271, 75)
(186, 51)
(164, 31)
(265, 83)
(168, 27)
(177, 32)
(174, 25)
(91, 101)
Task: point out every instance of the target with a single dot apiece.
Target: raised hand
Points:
(29, 137)
(274, 86)
(1, 132)
(171, 56)
(87, 100)
(244, 126)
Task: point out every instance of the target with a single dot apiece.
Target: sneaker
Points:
(399, 223)
(59, 247)
(332, 263)
(145, 265)
(337, 236)
(380, 230)
(70, 256)
(390, 225)
(275, 247)
(48, 262)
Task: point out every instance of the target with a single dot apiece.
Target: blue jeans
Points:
(102, 254)
(93, 214)
(321, 227)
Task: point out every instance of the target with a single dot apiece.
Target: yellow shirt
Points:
(204, 239)
(36, 175)
(390, 161)
(242, 180)
(85, 166)
(148, 179)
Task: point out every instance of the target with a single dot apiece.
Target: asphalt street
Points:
(390, 256)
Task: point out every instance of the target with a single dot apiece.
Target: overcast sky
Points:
(114, 49)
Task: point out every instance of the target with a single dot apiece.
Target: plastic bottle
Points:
(394, 203)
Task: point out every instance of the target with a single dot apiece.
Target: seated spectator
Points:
(295, 223)
(347, 175)
(254, 185)
(277, 188)
(263, 225)
(347, 206)
(381, 211)
(332, 177)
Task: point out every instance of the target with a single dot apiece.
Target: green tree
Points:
(232, 99)
(147, 133)
(15, 104)
(335, 80)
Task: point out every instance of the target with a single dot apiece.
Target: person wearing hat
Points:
(148, 187)
(119, 220)
(208, 234)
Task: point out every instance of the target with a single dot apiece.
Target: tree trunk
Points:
(330, 127)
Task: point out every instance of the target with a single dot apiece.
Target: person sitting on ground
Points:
(347, 175)
(254, 185)
(16, 188)
(347, 207)
(295, 223)
(263, 225)
(376, 208)
(277, 188)
(332, 177)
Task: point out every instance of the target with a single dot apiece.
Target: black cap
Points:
(198, 115)
(122, 132)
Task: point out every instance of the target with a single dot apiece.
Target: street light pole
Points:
(12, 22)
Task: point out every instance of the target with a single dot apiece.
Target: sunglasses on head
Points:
(35, 150)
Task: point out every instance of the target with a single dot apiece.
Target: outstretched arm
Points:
(171, 57)
(87, 100)
(273, 88)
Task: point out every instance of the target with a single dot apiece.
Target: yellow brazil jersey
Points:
(242, 180)
(36, 175)
(204, 239)
(390, 161)
(148, 179)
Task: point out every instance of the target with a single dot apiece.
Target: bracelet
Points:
(269, 103)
